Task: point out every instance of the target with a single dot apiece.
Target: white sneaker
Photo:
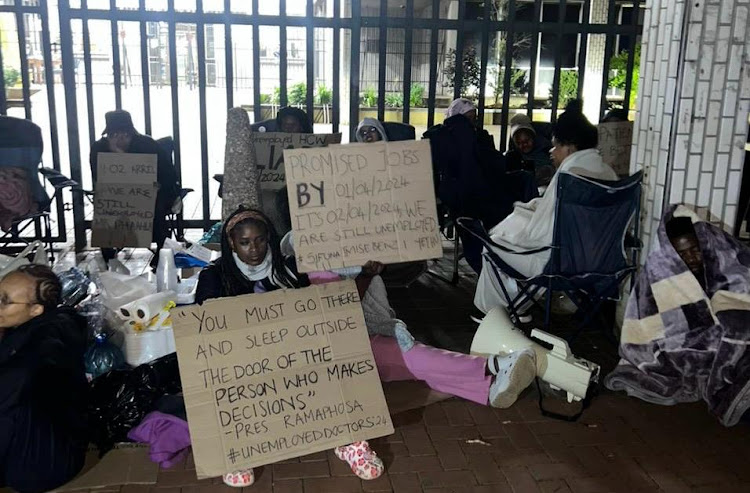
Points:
(516, 371)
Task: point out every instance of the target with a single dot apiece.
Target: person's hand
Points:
(372, 268)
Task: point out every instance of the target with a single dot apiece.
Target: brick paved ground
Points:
(620, 444)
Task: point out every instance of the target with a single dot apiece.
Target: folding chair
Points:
(588, 258)
(21, 146)
(174, 217)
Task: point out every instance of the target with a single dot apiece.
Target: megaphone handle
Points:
(585, 403)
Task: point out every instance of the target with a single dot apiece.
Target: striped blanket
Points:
(681, 342)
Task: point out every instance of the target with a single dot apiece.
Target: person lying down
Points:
(252, 262)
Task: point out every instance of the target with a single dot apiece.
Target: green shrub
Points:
(568, 87)
(265, 99)
(618, 67)
(416, 96)
(276, 96)
(298, 94)
(394, 100)
(11, 76)
(324, 95)
(369, 98)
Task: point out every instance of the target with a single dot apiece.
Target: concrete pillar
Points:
(594, 71)
(692, 120)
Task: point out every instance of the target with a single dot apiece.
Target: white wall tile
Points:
(726, 135)
(733, 187)
(717, 82)
(709, 153)
(691, 197)
(694, 171)
(735, 62)
(717, 203)
(721, 171)
(678, 187)
(704, 190)
(740, 24)
(712, 121)
(697, 135)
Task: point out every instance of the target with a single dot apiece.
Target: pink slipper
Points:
(239, 479)
(364, 462)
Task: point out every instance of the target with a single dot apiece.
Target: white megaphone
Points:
(557, 366)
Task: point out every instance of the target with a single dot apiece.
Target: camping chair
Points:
(21, 146)
(588, 258)
(174, 217)
(399, 131)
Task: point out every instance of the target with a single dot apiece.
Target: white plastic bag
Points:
(118, 289)
(145, 347)
(8, 263)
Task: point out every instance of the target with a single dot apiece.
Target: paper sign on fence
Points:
(124, 200)
(358, 202)
(615, 141)
(273, 376)
(268, 149)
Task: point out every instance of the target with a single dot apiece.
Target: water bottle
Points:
(166, 271)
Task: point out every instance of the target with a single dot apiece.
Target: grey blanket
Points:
(681, 342)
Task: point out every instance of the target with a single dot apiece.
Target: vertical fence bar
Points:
(484, 61)
(89, 82)
(509, 39)
(49, 82)
(257, 110)
(382, 54)
(228, 54)
(22, 50)
(145, 68)
(336, 96)
(608, 49)
(354, 72)
(432, 91)
(458, 74)
(631, 55)
(408, 45)
(558, 60)
(201, 42)
(533, 58)
(71, 108)
(283, 61)
(583, 47)
(3, 103)
(309, 97)
(116, 67)
(173, 86)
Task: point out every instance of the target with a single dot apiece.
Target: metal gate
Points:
(380, 57)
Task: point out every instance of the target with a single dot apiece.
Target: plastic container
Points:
(166, 271)
(186, 291)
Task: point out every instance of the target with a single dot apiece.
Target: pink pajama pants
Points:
(453, 373)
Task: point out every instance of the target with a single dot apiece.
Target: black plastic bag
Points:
(119, 400)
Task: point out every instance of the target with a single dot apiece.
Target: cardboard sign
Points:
(268, 151)
(268, 377)
(124, 200)
(358, 202)
(615, 141)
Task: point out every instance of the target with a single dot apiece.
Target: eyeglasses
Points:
(5, 303)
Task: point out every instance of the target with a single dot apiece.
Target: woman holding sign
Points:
(251, 262)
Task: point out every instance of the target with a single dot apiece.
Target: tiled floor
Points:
(620, 444)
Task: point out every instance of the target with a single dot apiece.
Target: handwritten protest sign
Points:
(268, 149)
(615, 141)
(124, 199)
(359, 202)
(268, 377)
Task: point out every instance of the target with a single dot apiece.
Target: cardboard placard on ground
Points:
(268, 377)
(124, 200)
(268, 151)
(615, 142)
(358, 202)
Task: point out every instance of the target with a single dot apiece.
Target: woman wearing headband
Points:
(251, 262)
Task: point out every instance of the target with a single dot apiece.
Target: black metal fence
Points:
(497, 33)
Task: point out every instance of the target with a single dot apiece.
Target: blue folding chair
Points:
(588, 255)
(21, 146)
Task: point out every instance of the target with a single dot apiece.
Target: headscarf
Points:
(371, 122)
(460, 106)
(296, 113)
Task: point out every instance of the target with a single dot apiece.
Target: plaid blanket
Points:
(681, 342)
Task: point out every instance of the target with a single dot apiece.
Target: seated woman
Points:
(251, 262)
(531, 225)
(530, 151)
(120, 136)
(293, 121)
(43, 432)
(370, 130)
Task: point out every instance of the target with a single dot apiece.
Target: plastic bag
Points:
(119, 400)
(213, 235)
(75, 286)
(118, 289)
(147, 346)
(93, 311)
(101, 357)
(9, 263)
